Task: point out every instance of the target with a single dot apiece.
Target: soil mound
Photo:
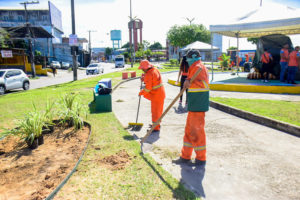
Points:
(34, 174)
(117, 161)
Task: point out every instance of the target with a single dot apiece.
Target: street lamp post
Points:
(90, 44)
(73, 48)
(131, 32)
(31, 54)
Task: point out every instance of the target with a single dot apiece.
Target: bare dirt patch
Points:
(116, 162)
(34, 174)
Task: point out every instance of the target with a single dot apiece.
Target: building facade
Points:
(51, 21)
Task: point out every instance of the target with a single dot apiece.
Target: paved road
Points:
(245, 160)
(64, 76)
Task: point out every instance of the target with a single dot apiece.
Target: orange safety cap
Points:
(145, 64)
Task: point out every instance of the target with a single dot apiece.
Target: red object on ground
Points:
(124, 75)
(133, 74)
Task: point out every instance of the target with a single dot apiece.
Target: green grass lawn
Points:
(286, 111)
(143, 178)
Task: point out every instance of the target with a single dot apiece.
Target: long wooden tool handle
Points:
(169, 107)
(137, 113)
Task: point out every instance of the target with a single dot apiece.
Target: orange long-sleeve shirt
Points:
(202, 76)
(154, 90)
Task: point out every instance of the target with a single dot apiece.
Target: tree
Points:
(146, 44)
(127, 45)
(108, 52)
(4, 37)
(232, 48)
(155, 46)
(253, 40)
(181, 36)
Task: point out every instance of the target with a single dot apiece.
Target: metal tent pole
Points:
(212, 60)
(237, 54)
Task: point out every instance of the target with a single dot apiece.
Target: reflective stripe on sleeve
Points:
(157, 86)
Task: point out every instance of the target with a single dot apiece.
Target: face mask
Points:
(192, 60)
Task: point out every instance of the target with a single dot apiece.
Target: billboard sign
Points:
(115, 35)
(55, 16)
(6, 54)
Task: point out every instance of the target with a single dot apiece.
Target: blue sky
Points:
(158, 16)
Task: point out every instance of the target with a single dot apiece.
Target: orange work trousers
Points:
(157, 107)
(194, 137)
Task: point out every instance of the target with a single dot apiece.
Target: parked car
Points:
(94, 68)
(13, 79)
(65, 65)
(78, 64)
(55, 64)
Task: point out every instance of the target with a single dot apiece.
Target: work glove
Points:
(141, 92)
(142, 77)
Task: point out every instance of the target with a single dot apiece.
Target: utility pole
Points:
(131, 31)
(90, 44)
(260, 3)
(31, 54)
(74, 48)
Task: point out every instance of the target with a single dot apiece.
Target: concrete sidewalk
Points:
(244, 160)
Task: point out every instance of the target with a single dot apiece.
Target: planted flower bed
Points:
(37, 155)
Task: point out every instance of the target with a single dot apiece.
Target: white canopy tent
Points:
(201, 46)
(273, 19)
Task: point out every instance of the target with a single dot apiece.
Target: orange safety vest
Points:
(285, 56)
(154, 89)
(293, 59)
(265, 57)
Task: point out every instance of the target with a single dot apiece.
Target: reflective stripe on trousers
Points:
(194, 137)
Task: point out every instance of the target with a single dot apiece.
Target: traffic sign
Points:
(73, 40)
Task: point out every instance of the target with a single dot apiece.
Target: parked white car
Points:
(55, 64)
(94, 68)
(65, 65)
(13, 79)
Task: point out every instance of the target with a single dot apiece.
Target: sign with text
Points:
(73, 40)
(6, 54)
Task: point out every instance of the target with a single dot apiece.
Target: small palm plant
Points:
(49, 115)
(224, 61)
(30, 128)
(71, 111)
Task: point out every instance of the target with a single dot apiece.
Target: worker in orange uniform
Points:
(198, 103)
(153, 91)
(266, 59)
(293, 64)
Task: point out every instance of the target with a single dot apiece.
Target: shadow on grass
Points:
(179, 192)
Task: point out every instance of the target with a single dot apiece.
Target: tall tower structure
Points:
(135, 25)
(115, 36)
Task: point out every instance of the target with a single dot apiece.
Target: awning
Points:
(21, 32)
(275, 19)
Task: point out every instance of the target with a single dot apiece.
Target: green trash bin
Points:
(103, 102)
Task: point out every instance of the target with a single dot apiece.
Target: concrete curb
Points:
(272, 123)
